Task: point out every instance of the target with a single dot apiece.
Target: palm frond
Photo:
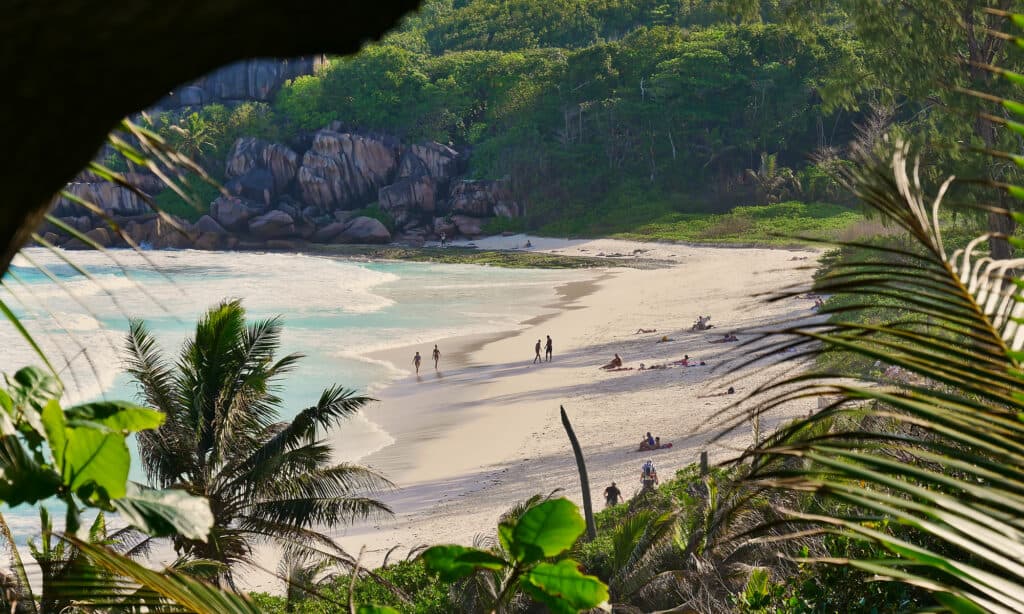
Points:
(937, 455)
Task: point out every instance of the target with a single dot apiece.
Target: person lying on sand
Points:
(651, 367)
(684, 361)
(727, 338)
(615, 363)
(731, 390)
(645, 330)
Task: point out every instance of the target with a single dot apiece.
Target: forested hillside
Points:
(597, 112)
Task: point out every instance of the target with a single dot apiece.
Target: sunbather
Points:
(615, 363)
(645, 330)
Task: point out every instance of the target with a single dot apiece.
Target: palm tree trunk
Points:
(588, 508)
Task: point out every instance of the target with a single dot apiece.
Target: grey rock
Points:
(407, 198)
(245, 155)
(328, 233)
(208, 241)
(112, 199)
(272, 225)
(232, 213)
(483, 199)
(342, 170)
(443, 225)
(257, 185)
(258, 79)
(364, 230)
(191, 96)
(440, 161)
(282, 162)
(471, 227)
(289, 209)
(344, 216)
(208, 225)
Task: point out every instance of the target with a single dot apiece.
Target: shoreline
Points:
(409, 428)
(486, 434)
(500, 439)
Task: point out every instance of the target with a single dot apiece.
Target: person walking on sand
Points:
(611, 495)
(547, 350)
(437, 356)
(416, 361)
(536, 350)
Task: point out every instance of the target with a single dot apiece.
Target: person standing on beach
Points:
(437, 356)
(416, 361)
(547, 350)
(536, 349)
(611, 495)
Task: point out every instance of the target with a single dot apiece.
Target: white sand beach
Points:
(484, 432)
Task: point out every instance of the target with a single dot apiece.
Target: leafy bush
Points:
(429, 596)
(200, 191)
(498, 225)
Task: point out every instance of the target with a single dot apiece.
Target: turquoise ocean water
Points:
(334, 311)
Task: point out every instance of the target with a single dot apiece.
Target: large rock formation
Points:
(272, 225)
(483, 199)
(278, 196)
(249, 154)
(364, 230)
(344, 171)
(409, 199)
(113, 199)
(437, 160)
(247, 80)
(233, 213)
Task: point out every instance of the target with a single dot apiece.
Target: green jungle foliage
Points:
(593, 110)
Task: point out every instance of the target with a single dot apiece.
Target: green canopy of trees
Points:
(670, 100)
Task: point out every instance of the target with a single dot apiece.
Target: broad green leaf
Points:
(31, 389)
(550, 528)
(162, 513)
(505, 531)
(22, 479)
(92, 460)
(7, 426)
(567, 589)
(116, 415)
(454, 562)
(33, 386)
(376, 609)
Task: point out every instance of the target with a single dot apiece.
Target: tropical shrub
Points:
(267, 480)
(527, 542)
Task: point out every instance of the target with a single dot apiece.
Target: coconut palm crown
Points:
(267, 480)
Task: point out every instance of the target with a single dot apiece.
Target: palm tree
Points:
(267, 480)
(774, 182)
(192, 136)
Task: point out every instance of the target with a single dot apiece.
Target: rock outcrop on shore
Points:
(341, 187)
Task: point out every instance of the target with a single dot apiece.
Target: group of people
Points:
(548, 349)
(417, 359)
(652, 443)
(648, 482)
